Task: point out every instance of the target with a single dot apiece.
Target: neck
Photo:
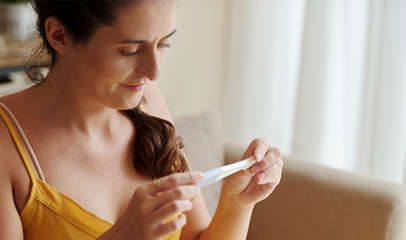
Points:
(59, 103)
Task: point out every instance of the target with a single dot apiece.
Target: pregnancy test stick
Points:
(219, 173)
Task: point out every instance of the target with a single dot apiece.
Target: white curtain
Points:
(324, 80)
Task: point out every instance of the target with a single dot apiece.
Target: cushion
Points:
(204, 148)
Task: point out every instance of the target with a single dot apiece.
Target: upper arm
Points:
(10, 223)
(198, 218)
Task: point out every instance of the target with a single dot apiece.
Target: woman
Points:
(93, 137)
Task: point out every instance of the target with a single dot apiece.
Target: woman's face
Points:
(119, 61)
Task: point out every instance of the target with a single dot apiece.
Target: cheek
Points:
(103, 64)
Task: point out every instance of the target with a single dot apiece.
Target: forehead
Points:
(147, 20)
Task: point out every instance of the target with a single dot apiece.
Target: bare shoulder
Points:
(6, 146)
(12, 168)
(8, 149)
(155, 104)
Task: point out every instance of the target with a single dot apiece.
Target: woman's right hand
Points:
(150, 206)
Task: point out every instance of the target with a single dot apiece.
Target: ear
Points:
(57, 35)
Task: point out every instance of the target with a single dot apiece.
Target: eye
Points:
(166, 45)
(129, 54)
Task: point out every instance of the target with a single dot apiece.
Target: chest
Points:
(99, 176)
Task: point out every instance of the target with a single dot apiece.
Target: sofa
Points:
(312, 202)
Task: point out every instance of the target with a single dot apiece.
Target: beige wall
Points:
(192, 74)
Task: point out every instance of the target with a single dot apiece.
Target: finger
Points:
(167, 228)
(186, 192)
(170, 209)
(261, 147)
(174, 180)
(272, 156)
(267, 175)
(274, 179)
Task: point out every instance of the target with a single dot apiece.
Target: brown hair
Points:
(157, 146)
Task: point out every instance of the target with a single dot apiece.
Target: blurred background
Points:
(324, 80)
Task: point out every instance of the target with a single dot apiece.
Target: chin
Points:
(125, 101)
(130, 104)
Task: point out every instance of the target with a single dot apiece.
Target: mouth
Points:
(134, 88)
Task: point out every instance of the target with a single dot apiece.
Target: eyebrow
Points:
(132, 41)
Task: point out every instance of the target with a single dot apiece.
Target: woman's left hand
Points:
(254, 184)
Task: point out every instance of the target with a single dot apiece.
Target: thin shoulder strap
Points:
(30, 159)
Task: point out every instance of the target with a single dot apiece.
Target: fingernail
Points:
(261, 176)
(259, 157)
(256, 169)
(200, 175)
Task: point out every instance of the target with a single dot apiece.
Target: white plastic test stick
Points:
(219, 173)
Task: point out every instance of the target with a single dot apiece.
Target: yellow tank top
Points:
(49, 214)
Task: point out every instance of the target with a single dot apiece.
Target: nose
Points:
(149, 65)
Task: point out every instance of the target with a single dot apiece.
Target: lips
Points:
(134, 88)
